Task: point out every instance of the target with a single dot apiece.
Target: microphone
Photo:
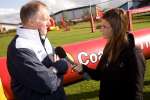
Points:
(62, 54)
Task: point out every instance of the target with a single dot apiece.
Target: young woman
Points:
(120, 72)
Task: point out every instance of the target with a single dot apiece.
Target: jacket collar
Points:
(28, 33)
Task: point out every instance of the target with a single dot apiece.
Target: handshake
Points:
(62, 54)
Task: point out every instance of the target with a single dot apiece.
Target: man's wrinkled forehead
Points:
(42, 12)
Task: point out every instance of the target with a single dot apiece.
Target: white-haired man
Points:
(34, 74)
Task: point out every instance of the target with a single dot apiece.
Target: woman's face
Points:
(106, 29)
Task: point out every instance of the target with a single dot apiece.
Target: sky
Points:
(13, 6)
(10, 6)
(9, 9)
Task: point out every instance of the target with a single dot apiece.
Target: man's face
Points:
(41, 20)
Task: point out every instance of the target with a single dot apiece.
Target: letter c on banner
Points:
(80, 58)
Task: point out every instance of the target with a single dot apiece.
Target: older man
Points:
(35, 75)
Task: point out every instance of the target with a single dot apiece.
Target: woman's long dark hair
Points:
(118, 20)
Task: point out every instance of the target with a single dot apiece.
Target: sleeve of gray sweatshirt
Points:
(29, 71)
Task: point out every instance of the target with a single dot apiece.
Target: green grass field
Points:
(84, 90)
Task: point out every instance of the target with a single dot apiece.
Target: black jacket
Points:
(33, 75)
(124, 79)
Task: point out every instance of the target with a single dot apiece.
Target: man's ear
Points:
(32, 22)
(29, 22)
